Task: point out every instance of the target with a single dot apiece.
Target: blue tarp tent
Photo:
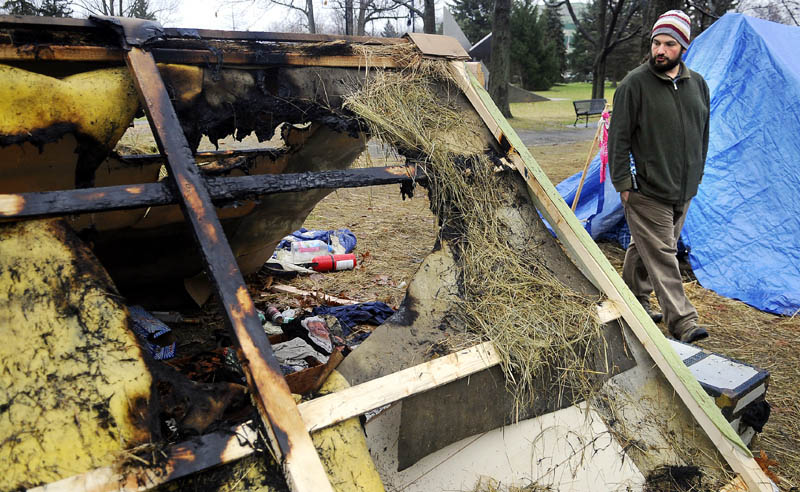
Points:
(743, 228)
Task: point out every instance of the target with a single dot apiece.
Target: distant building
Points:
(566, 21)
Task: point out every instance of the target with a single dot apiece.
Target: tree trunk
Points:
(429, 17)
(348, 17)
(501, 56)
(599, 76)
(312, 26)
(361, 25)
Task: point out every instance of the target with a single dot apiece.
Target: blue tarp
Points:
(743, 228)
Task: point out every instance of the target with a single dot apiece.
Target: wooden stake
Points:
(585, 168)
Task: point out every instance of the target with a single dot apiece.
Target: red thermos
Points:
(329, 263)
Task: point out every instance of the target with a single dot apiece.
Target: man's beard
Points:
(664, 67)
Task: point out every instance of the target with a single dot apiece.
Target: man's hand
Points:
(623, 196)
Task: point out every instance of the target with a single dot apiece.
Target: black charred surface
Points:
(674, 478)
(132, 31)
(222, 190)
(90, 156)
(196, 407)
(273, 98)
(407, 314)
(283, 37)
(40, 136)
(336, 48)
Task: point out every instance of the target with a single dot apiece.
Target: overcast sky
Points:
(213, 14)
(246, 16)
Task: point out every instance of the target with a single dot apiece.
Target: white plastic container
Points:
(305, 251)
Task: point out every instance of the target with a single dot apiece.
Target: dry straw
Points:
(508, 296)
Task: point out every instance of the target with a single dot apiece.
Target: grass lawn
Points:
(557, 113)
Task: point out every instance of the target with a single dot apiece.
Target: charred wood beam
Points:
(274, 36)
(24, 21)
(45, 22)
(206, 155)
(289, 439)
(37, 52)
(221, 190)
(264, 57)
(40, 52)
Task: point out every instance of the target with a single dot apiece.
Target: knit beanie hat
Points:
(676, 24)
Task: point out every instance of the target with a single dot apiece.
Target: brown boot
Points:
(654, 315)
(693, 333)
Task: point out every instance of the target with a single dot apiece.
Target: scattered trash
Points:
(298, 251)
(292, 355)
(334, 328)
(306, 251)
(156, 337)
(272, 329)
(289, 315)
(218, 365)
(329, 263)
(349, 316)
(341, 240)
(318, 332)
(274, 315)
(231, 362)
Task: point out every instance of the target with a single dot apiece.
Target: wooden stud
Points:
(356, 400)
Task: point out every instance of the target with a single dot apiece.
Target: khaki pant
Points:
(651, 263)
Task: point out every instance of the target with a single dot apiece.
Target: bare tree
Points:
(782, 11)
(427, 12)
(373, 10)
(159, 10)
(304, 7)
(366, 12)
(612, 26)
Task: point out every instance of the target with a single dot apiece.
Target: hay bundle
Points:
(508, 296)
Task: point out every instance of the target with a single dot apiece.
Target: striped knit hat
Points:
(674, 23)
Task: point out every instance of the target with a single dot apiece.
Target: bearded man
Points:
(658, 142)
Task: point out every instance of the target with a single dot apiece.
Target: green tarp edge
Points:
(690, 382)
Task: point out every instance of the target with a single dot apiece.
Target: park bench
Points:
(588, 107)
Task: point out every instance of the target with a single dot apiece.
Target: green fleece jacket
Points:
(664, 123)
